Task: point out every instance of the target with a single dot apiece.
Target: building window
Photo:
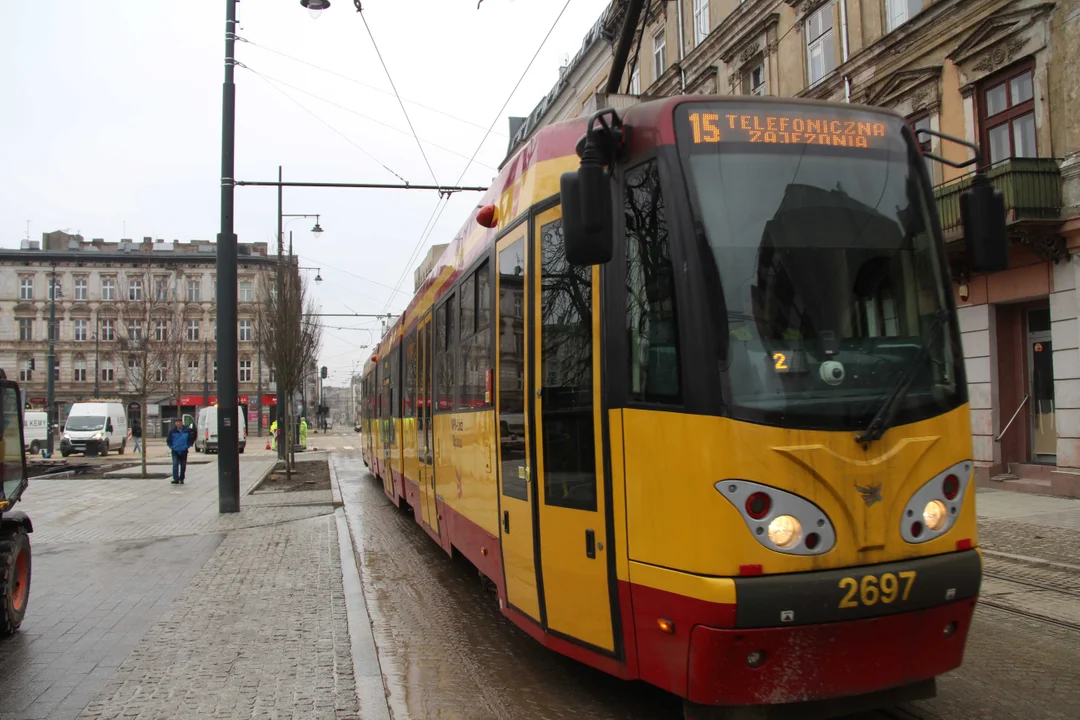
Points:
(81, 289)
(753, 80)
(54, 290)
(215, 371)
(918, 122)
(246, 291)
(635, 81)
(26, 329)
(26, 370)
(193, 290)
(898, 12)
(26, 289)
(108, 330)
(1007, 114)
(246, 331)
(56, 369)
(135, 290)
(820, 50)
(161, 289)
(245, 371)
(193, 370)
(161, 330)
(108, 289)
(659, 54)
(163, 372)
(82, 330)
(79, 373)
(53, 330)
(107, 371)
(193, 330)
(701, 20)
(135, 333)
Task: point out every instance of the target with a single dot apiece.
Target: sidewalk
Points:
(146, 603)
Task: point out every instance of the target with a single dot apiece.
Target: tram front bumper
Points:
(821, 654)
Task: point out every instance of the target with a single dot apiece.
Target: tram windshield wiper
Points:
(887, 413)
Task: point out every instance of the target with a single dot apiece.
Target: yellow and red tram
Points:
(732, 458)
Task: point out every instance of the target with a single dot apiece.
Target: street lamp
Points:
(318, 273)
(227, 350)
(315, 7)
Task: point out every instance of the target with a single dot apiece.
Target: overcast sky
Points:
(112, 120)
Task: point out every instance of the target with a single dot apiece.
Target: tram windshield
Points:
(817, 242)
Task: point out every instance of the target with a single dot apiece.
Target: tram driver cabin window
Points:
(651, 320)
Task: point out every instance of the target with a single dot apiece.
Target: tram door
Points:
(517, 503)
(425, 454)
(566, 427)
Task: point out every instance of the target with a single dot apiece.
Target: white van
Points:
(98, 421)
(206, 437)
(35, 430)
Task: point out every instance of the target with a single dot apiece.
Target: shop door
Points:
(517, 502)
(1041, 382)
(424, 452)
(566, 429)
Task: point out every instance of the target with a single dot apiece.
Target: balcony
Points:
(1032, 191)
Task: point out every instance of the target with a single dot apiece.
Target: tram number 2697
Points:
(873, 589)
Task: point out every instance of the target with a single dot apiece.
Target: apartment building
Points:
(126, 311)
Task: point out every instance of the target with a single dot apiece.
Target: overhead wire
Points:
(491, 127)
(364, 84)
(397, 95)
(366, 117)
(314, 115)
(308, 258)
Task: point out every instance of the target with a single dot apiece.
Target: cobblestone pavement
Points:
(446, 652)
(203, 615)
(261, 631)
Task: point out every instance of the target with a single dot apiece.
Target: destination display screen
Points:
(705, 125)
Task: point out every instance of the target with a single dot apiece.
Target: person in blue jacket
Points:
(179, 441)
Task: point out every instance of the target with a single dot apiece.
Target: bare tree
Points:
(147, 301)
(289, 342)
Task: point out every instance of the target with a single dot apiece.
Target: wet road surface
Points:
(447, 652)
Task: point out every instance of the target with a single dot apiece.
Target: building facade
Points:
(994, 72)
(134, 320)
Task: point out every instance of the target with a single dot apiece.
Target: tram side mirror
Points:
(588, 226)
(986, 239)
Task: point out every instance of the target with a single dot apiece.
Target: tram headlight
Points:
(935, 515)
(785, 531)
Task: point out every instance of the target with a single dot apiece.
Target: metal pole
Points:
(227, 387)
(280, 413)
(258, 405)
(206, 372)
(50, 392)
(97, 356)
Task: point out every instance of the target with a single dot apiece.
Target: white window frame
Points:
(193, 370)
(107, 373)
(108, 289)
(635, 81)
(82, 291)
(162, 373)
(54, 287)
(659, 53)
(80, 330)
(191, 331)
(135, 289)
(245, 371)
(27, 325)
(898, 12)
(749, 88)
(193, 289)
(107, 330)
(246, 291)
(78, 373)
(161, 330)
(818, 45)
(26, 288)
(249, 327)
(161, 288)
(701, 21)
(135, 331)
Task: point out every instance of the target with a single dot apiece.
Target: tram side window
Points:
(475, 339)
(651, 318)
(511, 344)
(384, 388)
(445, 352)
(409, 395)
(395, 382)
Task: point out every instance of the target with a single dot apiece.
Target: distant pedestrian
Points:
(136, 435)
(303, 432)
(179, 441)
(273, 435)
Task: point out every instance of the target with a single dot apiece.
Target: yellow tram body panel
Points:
(677, 519)
(465, 466)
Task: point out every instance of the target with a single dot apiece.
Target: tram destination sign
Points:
(712, 124)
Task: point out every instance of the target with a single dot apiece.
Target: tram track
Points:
(1030, 615)
(1032, 584)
